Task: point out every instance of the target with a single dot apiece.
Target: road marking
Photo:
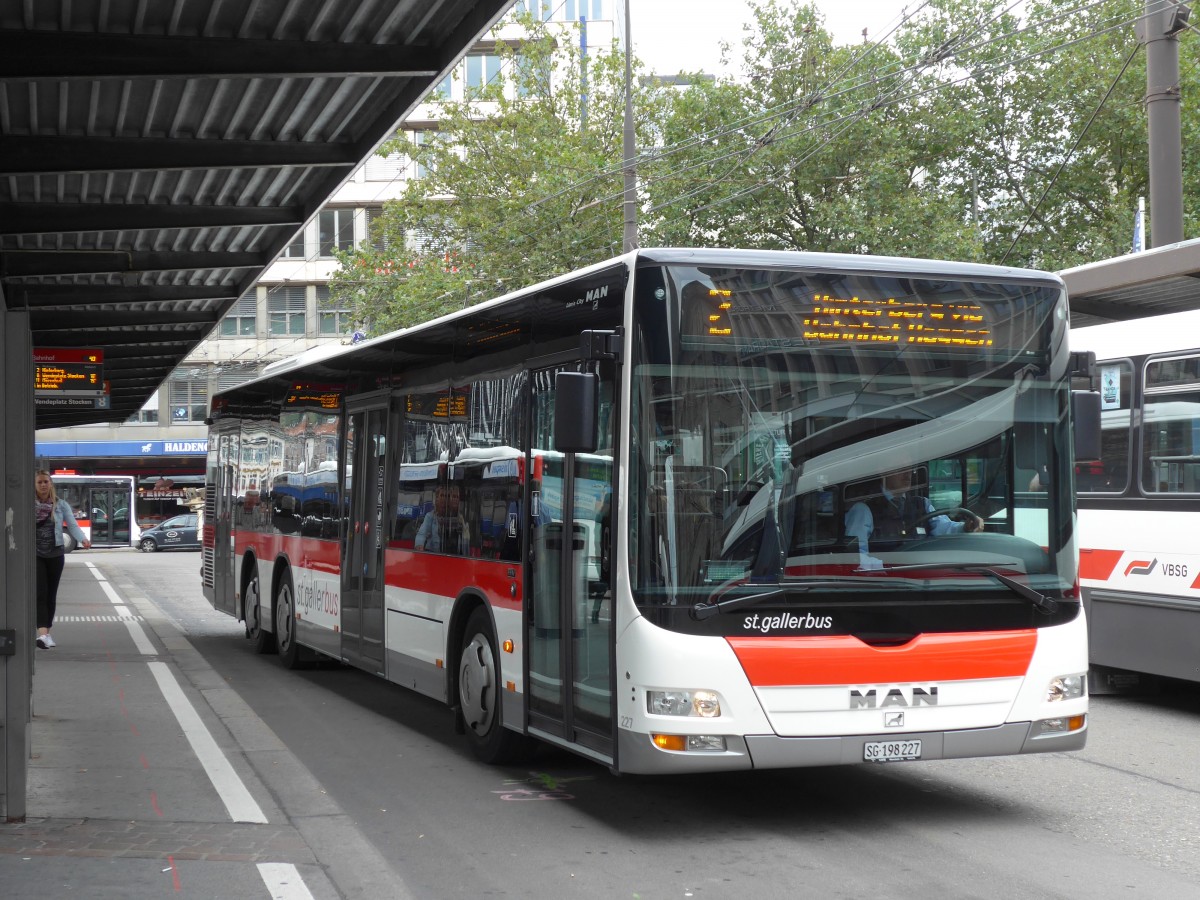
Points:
(140, 640)
(233, 793)
(284, 882)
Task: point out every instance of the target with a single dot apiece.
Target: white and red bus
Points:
(709, 419)
(1139, 557)
(105, 506)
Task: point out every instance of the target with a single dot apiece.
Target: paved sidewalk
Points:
(150, 778)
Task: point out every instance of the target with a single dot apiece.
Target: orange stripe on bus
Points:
(1098, 565)
(845, 659)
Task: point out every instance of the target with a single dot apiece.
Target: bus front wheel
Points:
(479, 696)
(264, 641)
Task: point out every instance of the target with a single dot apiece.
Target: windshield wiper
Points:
(1044, 604)
(746, 597)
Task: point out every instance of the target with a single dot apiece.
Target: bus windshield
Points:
(845, 430)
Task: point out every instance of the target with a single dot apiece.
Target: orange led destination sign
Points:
(313, 397)
(68, 372)
(891, 321)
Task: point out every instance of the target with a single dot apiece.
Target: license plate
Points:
(891, 751)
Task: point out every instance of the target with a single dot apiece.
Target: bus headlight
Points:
(1066, 687)
(696, 743)
(1052, 727)
(705, 704)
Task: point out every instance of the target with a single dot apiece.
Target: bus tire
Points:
(480, 703)
(285, 623)
(264, 641)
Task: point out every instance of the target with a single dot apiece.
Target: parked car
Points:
(176, 533)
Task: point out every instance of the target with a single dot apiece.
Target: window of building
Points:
(335, 229)
(442, 91)
(421, 138)
(385, 168)
(285, 310)
(334, 315)
(240, 320)
(187, 394)
(480, 70)
(375, 236)
(295, 249)
(148, 412)
(574, 10)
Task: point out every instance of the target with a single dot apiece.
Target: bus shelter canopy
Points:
(155, 157)
(1152, 283)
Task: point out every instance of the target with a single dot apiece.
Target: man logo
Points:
(916, 696)
(893, 720)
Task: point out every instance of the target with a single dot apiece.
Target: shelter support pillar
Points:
(16, 561)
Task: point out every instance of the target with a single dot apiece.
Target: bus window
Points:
(1110, 474)
(1171, 427)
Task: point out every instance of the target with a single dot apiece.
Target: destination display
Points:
(892, 321)
(68, 372)
(829, 319)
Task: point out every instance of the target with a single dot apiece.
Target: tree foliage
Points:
(967, 133)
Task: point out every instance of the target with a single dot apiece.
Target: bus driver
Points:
(897, 513)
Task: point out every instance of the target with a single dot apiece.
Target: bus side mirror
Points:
(1085, 423)
(575, 396)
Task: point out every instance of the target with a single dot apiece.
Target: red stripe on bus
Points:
(844, 659)
(1098, 565)
(446, 576)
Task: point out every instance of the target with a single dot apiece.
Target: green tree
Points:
(521, 182)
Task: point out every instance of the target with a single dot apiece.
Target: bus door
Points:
(368, 490)
(569, 619)
(109, 510)
(218, 515)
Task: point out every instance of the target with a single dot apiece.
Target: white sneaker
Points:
(41, 642)
(47, 641)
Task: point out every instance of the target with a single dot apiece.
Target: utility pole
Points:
(630, 241)
(1159, 30)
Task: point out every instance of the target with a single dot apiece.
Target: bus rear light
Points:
(696, 743)
(705, 704)
(1066, 687)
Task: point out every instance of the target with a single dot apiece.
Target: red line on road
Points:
(154, 803)
(175, 874)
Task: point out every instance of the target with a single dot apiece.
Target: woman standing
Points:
(51, 516)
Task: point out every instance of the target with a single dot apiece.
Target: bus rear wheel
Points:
(479, 696)
(285, 623)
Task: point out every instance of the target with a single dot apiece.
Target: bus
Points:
(104, 505)
(1139, 561)
(709, 419)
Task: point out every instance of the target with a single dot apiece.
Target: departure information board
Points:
(68, 372)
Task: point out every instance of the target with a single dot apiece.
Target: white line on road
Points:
(233, 793)
(284, 882)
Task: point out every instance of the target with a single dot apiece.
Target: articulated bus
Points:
(104, 506)
(608, 513)
(1139, 557)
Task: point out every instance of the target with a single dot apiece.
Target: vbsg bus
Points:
(609, 512)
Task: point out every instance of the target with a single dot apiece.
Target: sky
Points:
(674, 35)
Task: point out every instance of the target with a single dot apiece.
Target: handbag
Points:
(69, 543)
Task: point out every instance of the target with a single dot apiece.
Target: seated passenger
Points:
(444, 530)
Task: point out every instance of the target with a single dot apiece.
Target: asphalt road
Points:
(1119, 819)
